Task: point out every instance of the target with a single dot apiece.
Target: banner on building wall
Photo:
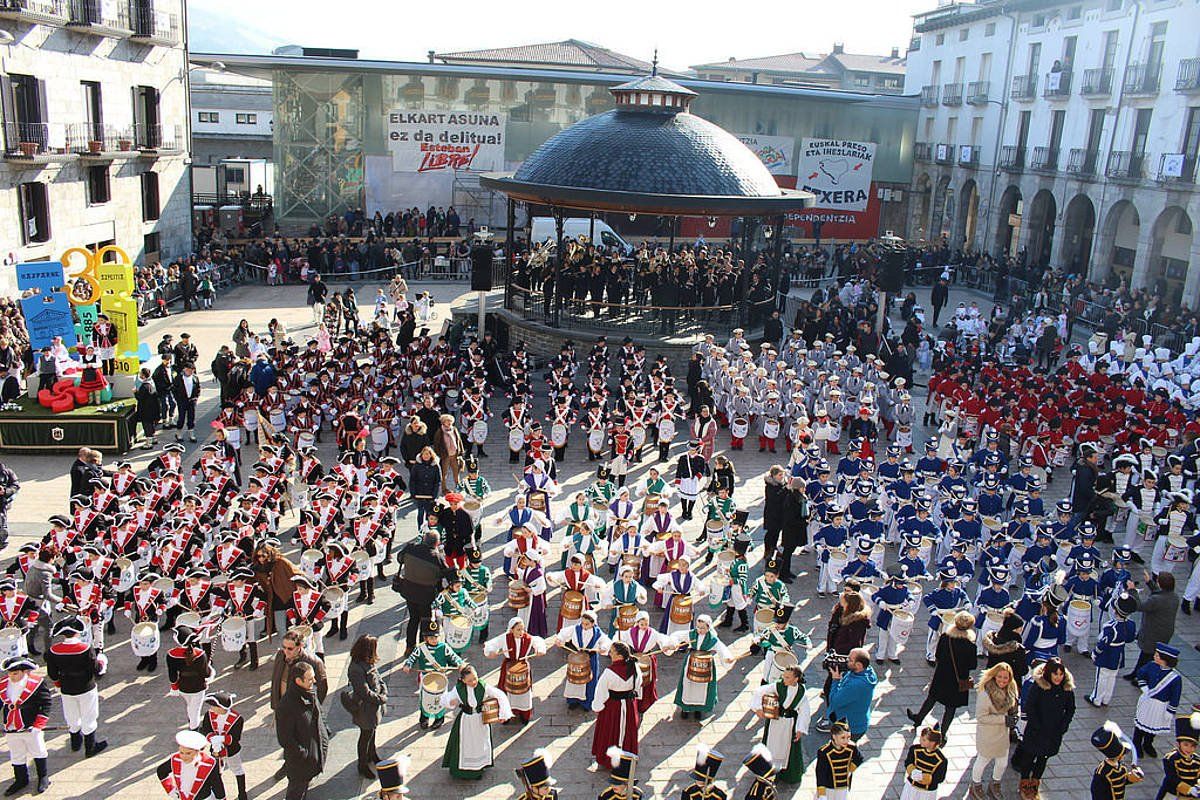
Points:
(775, 152)
(445, 141)
(838, 172)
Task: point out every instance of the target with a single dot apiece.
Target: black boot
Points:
(241, 784)
(76, 741)
(243, 657)
(333, 629)
(21, 771)
(91, 747)
(343, 625)
(43, 778)
(482, 454)
(483, 634)
(743, 618)
(726, 620)
(1185, 607)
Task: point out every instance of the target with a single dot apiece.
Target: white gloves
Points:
(916, 776)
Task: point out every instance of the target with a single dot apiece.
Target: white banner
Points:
(775, 152)
(1172, 165)
(837, 171)
(445, 141)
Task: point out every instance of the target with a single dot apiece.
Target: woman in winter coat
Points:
(147, 406)
(1004, 646)
(241, 339)
(414, 439)
(955, 660)
(774, 493)
(795, 527)
(425, 483)
(1049, 707)
(848, 626)
(370, 694)
(995, 700)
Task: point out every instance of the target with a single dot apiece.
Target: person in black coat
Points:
(1048, 704)
(794, 532)
(938, 297)
(301, 732)
(774, 494)
(418, 581)
(148, 407)
(83, 471)
(773, 328)
(186, 389)
(370, 696)
(424, 483)
(955, 657)
(1083, 488)
(73, 666)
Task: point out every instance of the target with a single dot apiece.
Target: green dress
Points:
(454, 742)
(709, 643)
(795, 768)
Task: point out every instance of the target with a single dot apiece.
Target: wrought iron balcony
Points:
(1142, 79)
(1082, 162)
(1045, 159)
(952, 94)
(1096, 82)
(1024, 87)
(1126, 165)
(1188, 79)
(1058, 85)
(929, 96)
(977, 92)
(1012, 158)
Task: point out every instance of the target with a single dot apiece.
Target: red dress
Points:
(617, 723)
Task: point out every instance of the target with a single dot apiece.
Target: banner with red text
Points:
(445, 141)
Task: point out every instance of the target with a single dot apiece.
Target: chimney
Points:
(838, 48)
(895, 52)
(431, 55)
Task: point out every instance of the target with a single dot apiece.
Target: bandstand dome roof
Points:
(650, 154)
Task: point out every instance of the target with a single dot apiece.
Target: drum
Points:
(771, 428)
(481, 612)
(681, 609)
(518, 595)
(770, 705)
(1079, 616)
(472, 506)
(12, 643)
(718, 593)
(458, 632)
(278, 419)
(645, 666)
(489, 711)
(595, 440)
(1158, 451)
(126, 574)
(233, 634)
(666, 431)
(234, 437)
(433, 686)
(308, 439)
(362, 564)
(777, 662)
(144, 639)
(537, 500)
(579, 668)
(251, 418)
(479, 431)
(715, 527)
(516, 678)
(572, 605)
(699, 667)
(637, 434)
(632, 560)
(763, 619)
(901, 627)
(992, 620)
(650, 503)
(948, 618)
(380, 436)
(626, 616)
(165, 586)
(904, 437)
(188, 619)
(310, 559)
(558, 434)
(1176, 550)
(339, 603)
(516, 439)
(739, 428)
(992, 523)
(837, 563)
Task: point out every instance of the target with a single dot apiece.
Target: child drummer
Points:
(431, 655)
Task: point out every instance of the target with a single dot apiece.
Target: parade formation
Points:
(945, 544)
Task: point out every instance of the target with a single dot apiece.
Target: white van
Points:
(542, 230)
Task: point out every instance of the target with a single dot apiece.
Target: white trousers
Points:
(234, 764)
(318, 311)
(1079, 643)
(931, 644)
(889, 646)
(1106, 680)
(194, 701)
(25, 746)
(980, 766)
(1192, 591)
(82, 711)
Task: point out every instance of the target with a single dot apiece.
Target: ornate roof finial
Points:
(654, 63)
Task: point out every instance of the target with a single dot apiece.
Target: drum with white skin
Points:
(380, 436)
(458, 632)
(234, 437)
(771, 428)
(637, 434)
(1079, 616)
(739, 428)
(666, 430)
(251, 418)
(338, 600)
(516, 439)
(558, 434)
(901, 627)
(145, 639)
(12, 643)
(309, 561)
(234, 634)
(433, 686)
(479, 432)
(837, 563)
(596, 440)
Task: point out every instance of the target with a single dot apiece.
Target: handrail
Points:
(638, 306)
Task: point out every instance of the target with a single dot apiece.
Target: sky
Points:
(684, 33)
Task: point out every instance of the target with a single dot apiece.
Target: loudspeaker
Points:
(481, 269)
(891, 272)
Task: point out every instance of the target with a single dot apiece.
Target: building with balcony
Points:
(93, 98)
(1084, 118)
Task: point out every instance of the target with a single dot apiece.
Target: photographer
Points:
(852, 691)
